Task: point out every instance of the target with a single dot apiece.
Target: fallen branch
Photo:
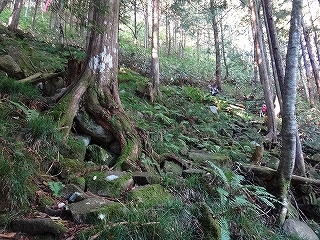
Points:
(266, 173)
(41, 77)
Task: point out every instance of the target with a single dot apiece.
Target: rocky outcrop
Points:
(8, 65)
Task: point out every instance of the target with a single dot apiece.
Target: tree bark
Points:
(263, 73)
(3, 5)
(35, 11)
(155, 69)
(215, 27)
(146, 23)
(97, 87)
(289, 124)
(278, 71)
(15, 15)
(308, 73)
(313, 63)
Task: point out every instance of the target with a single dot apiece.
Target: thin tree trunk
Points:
(264, 78)
(215, 27)
(289, 124)
(146, 23)
(275, 54)
(3, 5)
(308, 73)
(34, 17)
(311, 58)
(15, 15)
(278, 71)
(224, 53)
(155, 69)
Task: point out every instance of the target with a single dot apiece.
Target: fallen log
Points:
(41, 77)
(266, 173)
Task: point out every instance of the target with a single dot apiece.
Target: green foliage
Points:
(15, 89)
(169, 221)
(236, 198)
(16, 168)
(56, 188)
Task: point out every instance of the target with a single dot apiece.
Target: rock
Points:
(70, 190)
(214, 109)
(38, 226)
(144, 178)
(99, 155)
(8, 65)
(70, 167)
(173, 168)
(299, 229)
(115, 147)
(217, 158)
(149, 195)
(192, 172)
(81, 211)
(98, 135)
(210, 227)
(109, 184)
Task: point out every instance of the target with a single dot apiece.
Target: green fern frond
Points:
(218, 172)
(225, 231)
(30, 114)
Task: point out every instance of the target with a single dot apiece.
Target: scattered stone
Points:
(86, 125)
(149, 195)
(299, 229)
(100, 184)
(217, 158)
(8, 65)
(73, 193)
(80, 211)
(210, 227)
(100, 155)
(214, 109)
(144, 178)
(38, 226)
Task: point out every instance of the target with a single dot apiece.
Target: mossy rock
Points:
(78, 181)
(70, 167)
(219, 159)
(149, 195)
(111, 184)
(73, 148)
(210, 227)
(44, 200)
(99, 155)
(110, 213)
(87, 210)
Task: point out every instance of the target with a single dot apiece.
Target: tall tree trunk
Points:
(263, 73)
(155, 69)
(135, 27)
(35, 11)
(146, 23)
(278, 71)
(308, 73)
(313, 63)
(289, 124)
(275, 54)
(15, 15)
(97, 87)
(215, 27)
(225, 63)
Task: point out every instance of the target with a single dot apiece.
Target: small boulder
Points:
(82, 210)
(38, 226)
(8, 65)
(299, 229)
(109, 184)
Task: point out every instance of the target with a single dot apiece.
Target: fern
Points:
(30, 114)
